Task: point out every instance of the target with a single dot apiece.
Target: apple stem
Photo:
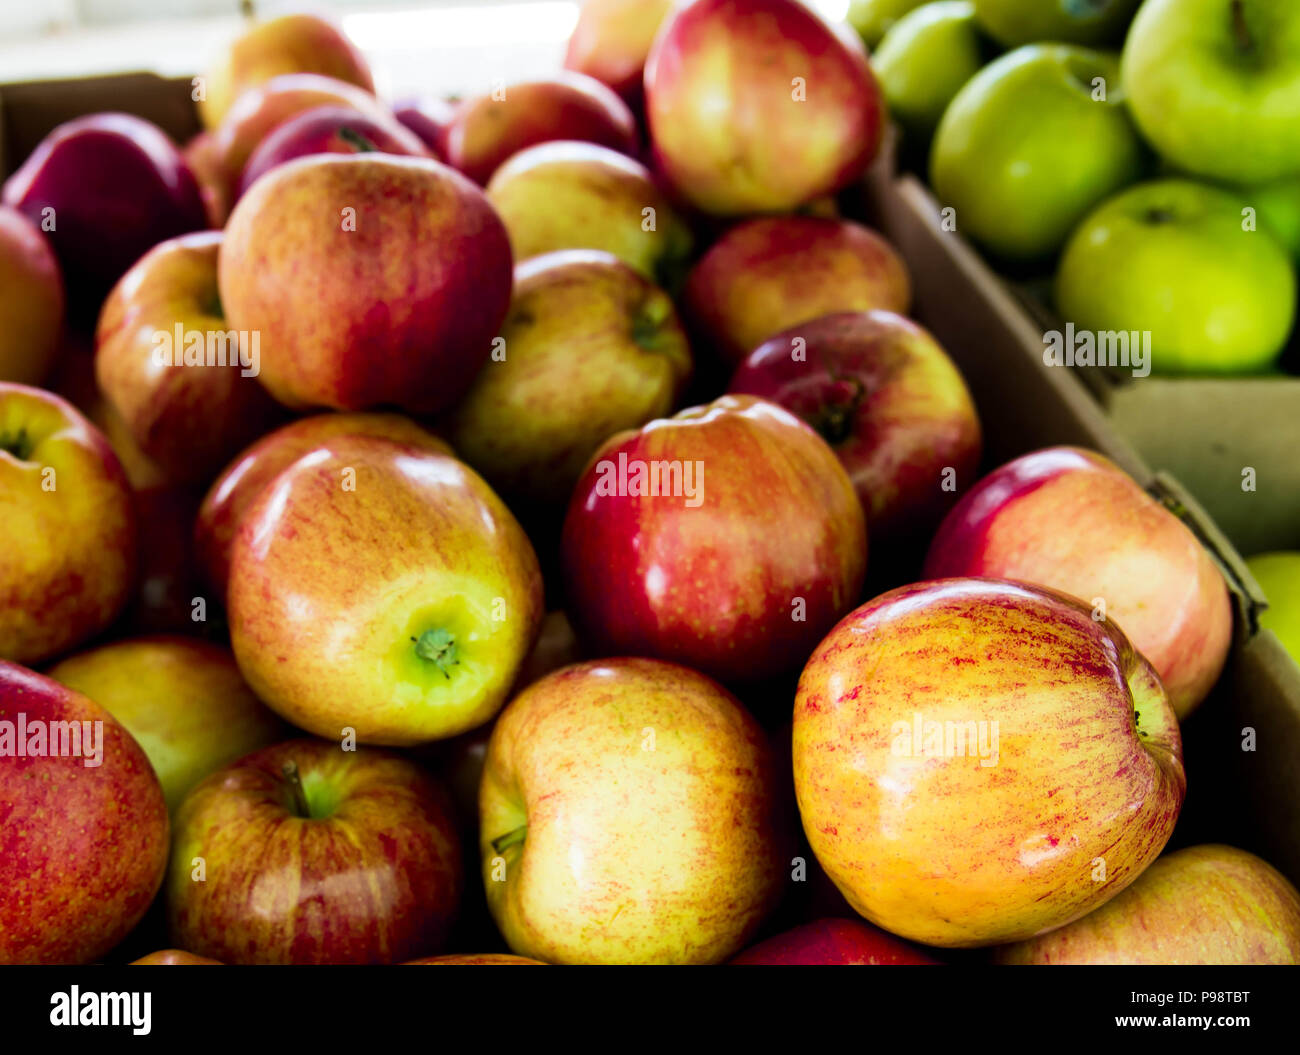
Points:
(511, 838)
(294, 779)
(16, 444)
(439, 648)
(356, 139)
(1245, 42)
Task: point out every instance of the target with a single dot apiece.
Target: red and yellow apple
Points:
(628, 814)
(83, 825)
(832, 942)
(1074, 521)
(770, 274)
(174, 958)
(68, 563)
(978, 761)
(31, 301)
(304, 853)
(382, 588)
(611, 42)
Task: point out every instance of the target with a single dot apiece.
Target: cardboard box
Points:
(1247, 798)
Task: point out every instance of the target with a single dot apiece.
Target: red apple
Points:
(487, 130)
(384, 589)
(330, 130)
(31, 301)
(771, 274)
(833, 942)
(173, 958)
(68, 563)
(429, 117)
(83, 826)
(292, 43)
(104, 189)
(204, 160)
(727, 538)
(883, 393)
(1071, 520)
(611, 42)
(182, 380)
(373, 280)
(244, 479)
(310, 855)
(759, 106)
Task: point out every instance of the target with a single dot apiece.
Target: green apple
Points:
(1175, 259)
(872, 18)
(1016, 22)
(1278, 574)
(1030, 144)
(1215, 85)
(1278, 207)
(924, 59)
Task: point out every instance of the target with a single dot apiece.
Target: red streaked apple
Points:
(183, 382)
(291, 43)
(31, 301)
(173, 958)
(310, 854)
(182, 699)
(105, 188)
(330, 130)
(611, 42)
(68, 564)
(882, 392)
(485, 131)
(727, 538)
(373, 280)
(770, 274)
(570, 195)
(1073, 521)
(591, 349)
(83, 825)
(833, 942)
(760, 106)
(629, 814)
(978, 761)
(382, 588)
(1208, 905)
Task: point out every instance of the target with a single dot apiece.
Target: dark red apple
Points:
(833, 942)
(429, 117)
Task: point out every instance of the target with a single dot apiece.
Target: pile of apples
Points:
(1145, 153)
(522, 503)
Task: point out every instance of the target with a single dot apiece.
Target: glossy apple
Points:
(628, 814)
(174, 958)
(591, 349)
(1278, 574)
(611, 42)
(569, 195)
(68, 564)
(1208, 905)
(400, 606)
(244, 479)
(1176, 260)
(329, 130)
(759, 107)
(770, 274)
(390, 296)
(314, 855)
(873, 18)
(1015, 22)
(882, 392)
(104, 189)
(832, 942)
(1215, 85)
(728, 538)
(429, 117)
(1071, 520)
(259, 111)
(182, 699)
(292, 43)
(1027, 147)
(31, 301)
(182, 380)
(978, 761)
(486, 130)
(487, 959)
(923, 61)
(83, 845)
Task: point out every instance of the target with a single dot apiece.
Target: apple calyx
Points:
(833, 419)
(439, 648)
(1240, 30)
(19, 444)
(511, 838)
(301, 807)
(356, 140)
